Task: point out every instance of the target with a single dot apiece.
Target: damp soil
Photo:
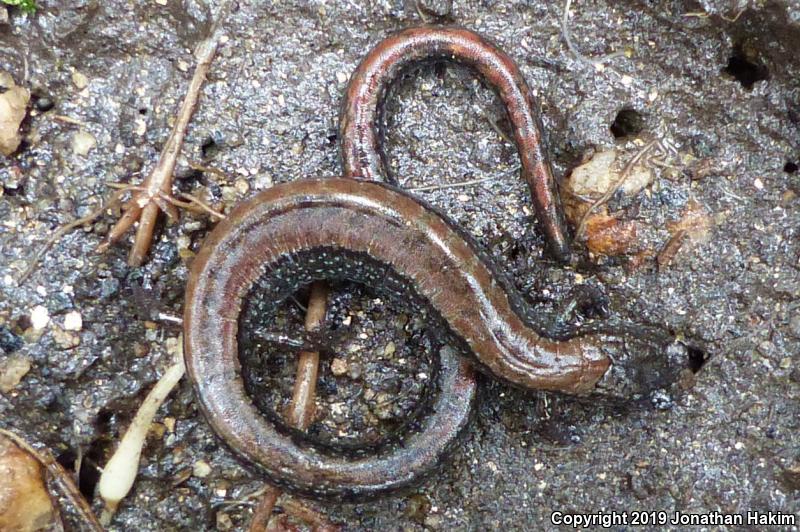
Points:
(717, 81)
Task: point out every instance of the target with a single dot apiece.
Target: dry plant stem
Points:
(264, 510)
(301, 409)
(308, 515)
(144, 206)
(208, 169)
(623, 176)
(64, 229)
(62, 478)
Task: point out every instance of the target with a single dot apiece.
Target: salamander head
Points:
(649, 375)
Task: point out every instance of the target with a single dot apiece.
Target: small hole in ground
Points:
(790, 167)
(627, 123)
(745, 70)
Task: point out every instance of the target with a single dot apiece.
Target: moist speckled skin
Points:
(271, 107)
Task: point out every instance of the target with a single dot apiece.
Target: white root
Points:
(120, 471)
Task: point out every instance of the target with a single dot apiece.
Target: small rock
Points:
(79, 80)
(73, 321)
(591, 180)
(25, 504)
(224, 521)
(39, 317)
(600, 173)
(12, 370)
(13, 105)
(3, 15)
(201, 469)
(44, 104)
(436, 8)
(794, 326)
(242, 186)
(338, 366)
(82, 143)
(390, 349)
(65, 339)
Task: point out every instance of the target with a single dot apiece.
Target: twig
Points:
(69, 120)
(703, 14)
(623, 176)
(64, 229)
(197, 201)
(62, 479)
(209, 169)
(465, 183)
(145, 206)
(306, 514)
(301, 409)
(671, 248)
(264, 510)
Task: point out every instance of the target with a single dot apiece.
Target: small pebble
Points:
(82, 143)
(73, 321)
(79, 80)
(436, 8)
(242, 186)
(201, 469)
(338, 366)
(44, 104)
(39, 317)
(65, 339)
(794, 326)
(12, 370)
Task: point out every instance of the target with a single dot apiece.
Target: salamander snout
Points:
(644, 373)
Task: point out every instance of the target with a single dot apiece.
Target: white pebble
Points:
(39, 317)
(201, 469)
(82, 143)
(79, 80)
(73, 321)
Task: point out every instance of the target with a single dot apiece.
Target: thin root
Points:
(64, 229)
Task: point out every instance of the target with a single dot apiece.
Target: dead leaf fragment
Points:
(693, 228)
(25, 504)
(12, 370)
(695, 221)
(605, 235)
(13, 103)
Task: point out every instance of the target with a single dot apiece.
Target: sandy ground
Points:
(723, 90)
